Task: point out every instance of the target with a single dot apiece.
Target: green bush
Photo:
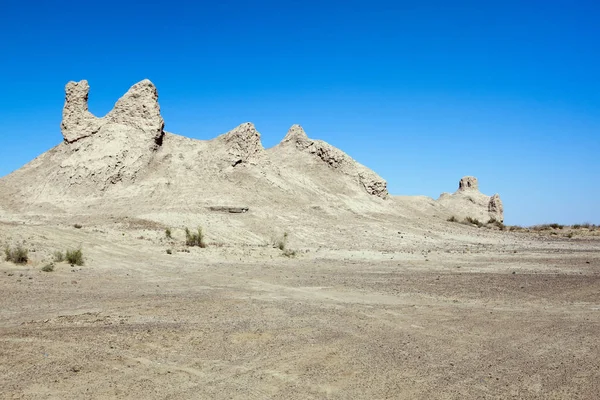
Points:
(452, 219)
(74, 257)
(18, 255)
(168, 233)
(194, 239)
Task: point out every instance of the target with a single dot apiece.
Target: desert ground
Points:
(314, 282)
(500, 315)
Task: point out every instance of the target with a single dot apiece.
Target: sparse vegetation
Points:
(282, 243)
(473, 221)
(77, 226)
(168, 233)
(48, 267)
(585, 225)
(74, 257)
(547, 227)
(59, 256)
(18, 255)
(497, 224)
(169, 251)
(289, 253)
(194, 239)
(553, 228)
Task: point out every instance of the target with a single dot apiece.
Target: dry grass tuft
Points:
(195, 239)
(74, 257)
(18, 255)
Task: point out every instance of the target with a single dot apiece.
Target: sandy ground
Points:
(384, 297)
(520, 319)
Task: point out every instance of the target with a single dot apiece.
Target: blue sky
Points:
(422, 92)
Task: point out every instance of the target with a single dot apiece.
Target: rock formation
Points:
(78, 122)
(468, 201)
(468, 183)
(115, 148)
(138, 109)
(241, 145)
(495, 207)
(336, 159)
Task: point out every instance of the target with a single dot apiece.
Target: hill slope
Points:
(125, 164)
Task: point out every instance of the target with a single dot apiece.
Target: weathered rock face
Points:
(242, 144)
(138, 109)
(297, 137)
(468, 201)
(337, 159)
(114, 148)
(78, 122)
(495, 207)
(468, 183)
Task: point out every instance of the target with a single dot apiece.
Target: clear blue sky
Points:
(423, 92)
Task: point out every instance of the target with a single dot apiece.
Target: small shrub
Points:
(18, 255)
(282, 243)
(570, 235)
(586, 225)
(499, 224)
(194, 239)
(48, 267)
(473, 221)
(169, 251)
(452, 219)
(77, 226)
(492, 220)
(59, 256)
(168, 233)
(289, 253)
(547, 227)
(74, 257)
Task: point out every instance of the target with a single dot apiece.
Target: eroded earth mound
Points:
(468, 201)
(126, 164)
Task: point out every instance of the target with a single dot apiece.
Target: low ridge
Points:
(468, 201)
(336, 159)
